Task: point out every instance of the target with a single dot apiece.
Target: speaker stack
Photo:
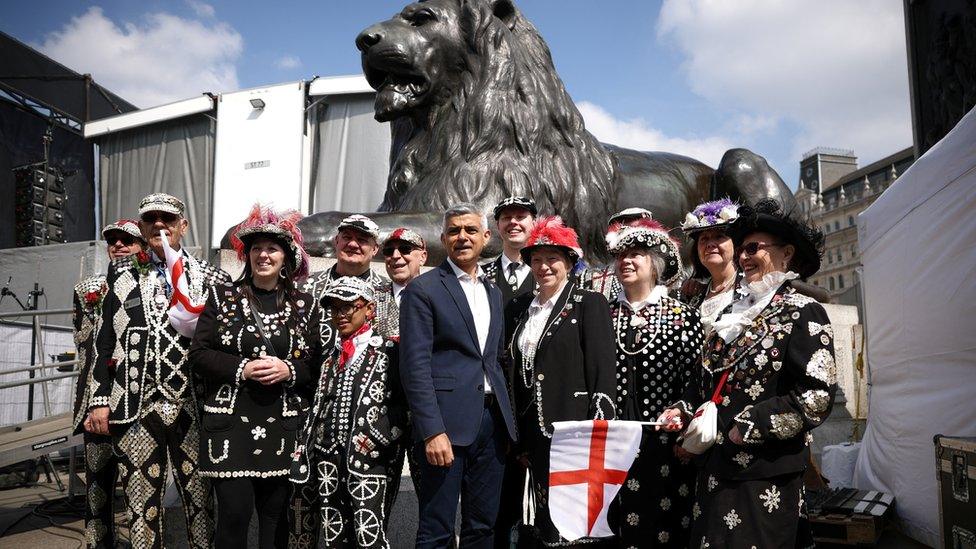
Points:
(40, 203)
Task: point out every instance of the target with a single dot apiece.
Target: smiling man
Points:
(514, 220)
(122, 238)
(404, 253)
(143, 390)
(452, 334)
(355, 246)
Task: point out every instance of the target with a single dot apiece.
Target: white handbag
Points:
(702, 431)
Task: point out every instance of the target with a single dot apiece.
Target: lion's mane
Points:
(510, 129)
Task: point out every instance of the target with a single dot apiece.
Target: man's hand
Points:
(97, 421)
(439, 450)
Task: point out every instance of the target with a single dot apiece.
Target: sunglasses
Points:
(347, 309)
(753, 248)
(403, 248)
(126, 240)
(165, 217)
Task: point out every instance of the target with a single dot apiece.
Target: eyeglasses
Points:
(404, 249)
(347, 309)
(753, 248)
(126, 240)
(165, 217)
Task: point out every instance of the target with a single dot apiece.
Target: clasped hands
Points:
(267, 370)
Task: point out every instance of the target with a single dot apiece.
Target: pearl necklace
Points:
(619, 327)
(725, 286)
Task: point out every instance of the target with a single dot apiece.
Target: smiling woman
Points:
(560, 351)
(658, 344)
(257, 349)
(769, 369)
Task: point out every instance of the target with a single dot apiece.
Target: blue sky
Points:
(689, 76)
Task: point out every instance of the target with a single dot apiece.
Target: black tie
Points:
(512, 276)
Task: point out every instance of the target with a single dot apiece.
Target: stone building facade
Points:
(832, 192)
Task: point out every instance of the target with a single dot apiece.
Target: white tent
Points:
(918, 247)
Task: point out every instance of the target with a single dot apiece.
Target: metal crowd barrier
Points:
(36, 439)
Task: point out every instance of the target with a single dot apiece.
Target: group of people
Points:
(300, 395)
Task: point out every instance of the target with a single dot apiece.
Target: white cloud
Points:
(288, 62)
(161, 59)
(836, 69)
(202, 9)
(637, 134)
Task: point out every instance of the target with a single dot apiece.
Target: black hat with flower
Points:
(767, 216)
(278, 226)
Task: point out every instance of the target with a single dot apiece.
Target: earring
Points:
(281, 274)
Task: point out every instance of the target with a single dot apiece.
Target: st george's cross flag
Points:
(183, 313)
(588, 463)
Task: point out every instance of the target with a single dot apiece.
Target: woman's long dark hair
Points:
(285, 291)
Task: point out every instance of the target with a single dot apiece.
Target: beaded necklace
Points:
(620, 329)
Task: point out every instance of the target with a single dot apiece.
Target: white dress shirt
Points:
(359, 344)
(521, 272)
(476, 295)
(397, 291)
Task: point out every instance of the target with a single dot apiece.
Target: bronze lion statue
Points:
(479, 113)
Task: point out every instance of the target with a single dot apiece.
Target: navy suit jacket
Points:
(441, 364)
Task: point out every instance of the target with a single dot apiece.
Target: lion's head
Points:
(480, 114)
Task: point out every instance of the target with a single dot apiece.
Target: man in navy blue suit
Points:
(451, 338)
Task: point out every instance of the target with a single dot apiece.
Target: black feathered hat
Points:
(767, 216)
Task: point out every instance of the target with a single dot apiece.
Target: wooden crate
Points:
(853, 529)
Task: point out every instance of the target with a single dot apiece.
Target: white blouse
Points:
(713, 306)
(756, 295)
(536, 323)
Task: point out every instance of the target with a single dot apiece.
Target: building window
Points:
(836, 225)
(840, 280)
(831, 283)
(840, 256)
(850, 221)
(830, 257)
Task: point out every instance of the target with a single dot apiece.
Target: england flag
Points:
(588, 463)
(183, 313)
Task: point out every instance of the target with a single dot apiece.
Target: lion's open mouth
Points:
(398, 87)
(405, 84)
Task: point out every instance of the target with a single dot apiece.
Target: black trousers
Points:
(510, 510)
(238, 498)
(101, 470)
